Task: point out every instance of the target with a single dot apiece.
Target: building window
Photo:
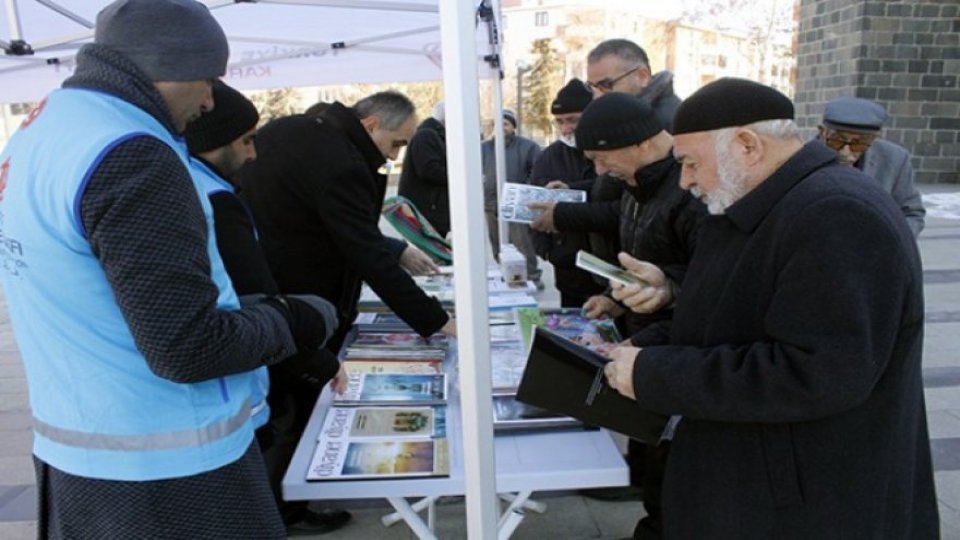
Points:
(541, 18)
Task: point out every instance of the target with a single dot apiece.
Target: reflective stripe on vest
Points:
(153, 441)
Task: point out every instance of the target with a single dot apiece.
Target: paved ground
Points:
(569, 516)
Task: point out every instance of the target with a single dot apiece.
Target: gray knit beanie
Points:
(170, 40)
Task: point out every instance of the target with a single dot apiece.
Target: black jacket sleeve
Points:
(145, 225)
(597, 217)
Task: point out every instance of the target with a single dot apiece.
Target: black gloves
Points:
(311, 319)
(310, 369)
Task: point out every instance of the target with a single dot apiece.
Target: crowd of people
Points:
(180, 281)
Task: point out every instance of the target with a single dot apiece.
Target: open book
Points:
(568, 379)
(516, 197)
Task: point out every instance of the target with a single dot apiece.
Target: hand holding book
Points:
(619, 370)
(654, 291)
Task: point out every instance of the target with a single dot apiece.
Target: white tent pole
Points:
(13, 20)
(499, 149)
(460, 88)
(357, 4)
(66, 13)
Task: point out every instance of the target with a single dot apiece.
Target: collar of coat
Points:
(346, 120)
(747, 213)
(650, 178)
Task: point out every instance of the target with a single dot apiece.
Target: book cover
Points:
(568, 379)
(512, 415)
(395, 340)
(507, 361)
(392, 365)
(357, 460)
(384, 423)
(394, 388)
(516, 197)
(595, 265)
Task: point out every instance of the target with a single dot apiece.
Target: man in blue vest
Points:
(138, 356)
(220, 143)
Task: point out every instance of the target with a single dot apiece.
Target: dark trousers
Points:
(652, 461)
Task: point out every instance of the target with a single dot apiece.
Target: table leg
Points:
(408, 513)
(525, 501)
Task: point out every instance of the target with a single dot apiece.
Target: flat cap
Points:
(854, 114)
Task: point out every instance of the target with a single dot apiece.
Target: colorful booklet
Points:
(516, 197)
(384, 423)
(394, 389)
(339, 459)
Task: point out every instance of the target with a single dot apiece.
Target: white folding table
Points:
(526, 462)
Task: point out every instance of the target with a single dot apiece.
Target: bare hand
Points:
(619, 370)
(599, 305)
(450, 328)
(339, 381)
(417, 262)
(557, 184)
(654, 294)
(544, 223)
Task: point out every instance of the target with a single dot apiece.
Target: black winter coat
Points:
(657, 222)
(316, 195)
(424, 177)
(795, 362)
(561, 162)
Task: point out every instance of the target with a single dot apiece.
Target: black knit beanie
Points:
(572, 98)
(616, 120)
(170, 40)
(730, 102)
(232, 116)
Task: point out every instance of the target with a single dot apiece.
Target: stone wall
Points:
(904, 54)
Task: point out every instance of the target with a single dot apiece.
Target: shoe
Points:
(322, 522)
(626, 493)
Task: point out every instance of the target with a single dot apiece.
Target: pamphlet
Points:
(516, 197)
(596, 265)
(394, 389)
(343, 459)
(384, 423)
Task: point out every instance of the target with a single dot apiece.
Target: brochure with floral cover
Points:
(516, 197)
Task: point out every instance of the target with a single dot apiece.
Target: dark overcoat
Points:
(316, 196)
(795, 362)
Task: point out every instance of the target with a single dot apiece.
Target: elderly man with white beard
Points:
(793, 371)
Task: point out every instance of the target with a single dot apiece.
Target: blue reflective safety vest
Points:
(98, 410)
(210, 182)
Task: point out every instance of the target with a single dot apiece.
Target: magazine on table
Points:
(507, 361)
(599, 334)
(398, 353)
(397, 340)
(394, 389)
(512, 415)
(516, 197)
(384, 423)
(392, 365)
(344, 459)
(595, 265)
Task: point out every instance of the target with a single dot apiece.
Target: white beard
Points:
(731, 184)
(569, 140)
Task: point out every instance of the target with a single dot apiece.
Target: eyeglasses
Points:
(837, 143)
(606, 85)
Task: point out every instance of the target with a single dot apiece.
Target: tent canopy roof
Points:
(272, 43)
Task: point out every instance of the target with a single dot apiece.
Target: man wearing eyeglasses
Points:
(620, 65)
(851, 127)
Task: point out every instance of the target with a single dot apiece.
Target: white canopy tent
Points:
(276, 43)
(273, 43)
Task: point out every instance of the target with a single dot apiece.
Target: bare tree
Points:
(540, 85)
